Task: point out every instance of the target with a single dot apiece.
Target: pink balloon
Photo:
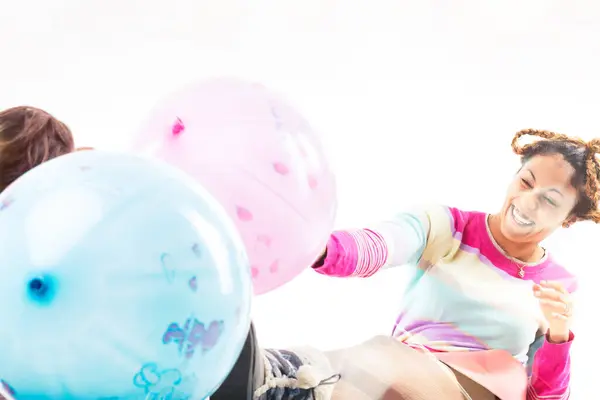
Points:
(263, 162)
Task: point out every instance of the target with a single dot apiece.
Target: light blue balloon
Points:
(121, 279)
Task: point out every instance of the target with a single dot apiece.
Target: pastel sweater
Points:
(466, 294)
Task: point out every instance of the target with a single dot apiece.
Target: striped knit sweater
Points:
(466, 294)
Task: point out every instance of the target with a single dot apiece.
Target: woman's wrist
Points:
(558, 337)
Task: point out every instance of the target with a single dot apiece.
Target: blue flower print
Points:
(160, 384)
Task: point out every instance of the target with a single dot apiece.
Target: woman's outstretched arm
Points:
(398, 241)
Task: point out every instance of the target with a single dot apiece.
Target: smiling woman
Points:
(557, 185)
(570, 168)
(490, 265)
(485, 296)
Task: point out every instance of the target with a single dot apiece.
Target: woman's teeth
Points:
(520, 218)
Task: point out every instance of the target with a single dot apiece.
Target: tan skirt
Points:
(385, 369)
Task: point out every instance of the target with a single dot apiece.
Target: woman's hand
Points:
(321, 260)
(557, 306)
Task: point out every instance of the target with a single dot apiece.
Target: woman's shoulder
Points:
(443, 211)
(459, 219)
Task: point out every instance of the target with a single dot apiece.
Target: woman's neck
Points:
(525, 252)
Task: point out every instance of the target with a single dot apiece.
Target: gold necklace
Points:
(520, 264)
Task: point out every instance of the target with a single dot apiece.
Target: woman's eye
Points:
(550, 201)
(526, 183)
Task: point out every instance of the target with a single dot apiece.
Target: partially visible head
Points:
(556, 185)
(28, 137)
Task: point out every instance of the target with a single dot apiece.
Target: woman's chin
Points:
(516, 233)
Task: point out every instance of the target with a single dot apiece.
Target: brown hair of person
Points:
(29, 136)
(581, 155)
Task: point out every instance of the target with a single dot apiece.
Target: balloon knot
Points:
(178, 127)
(41, 289)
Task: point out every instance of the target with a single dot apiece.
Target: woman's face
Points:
(539, 199)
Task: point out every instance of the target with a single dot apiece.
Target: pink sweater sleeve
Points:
(551, 371)
(360, 252)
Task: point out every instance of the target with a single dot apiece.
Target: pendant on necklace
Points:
(521, 272)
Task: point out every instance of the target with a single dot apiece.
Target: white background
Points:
(410, 95)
